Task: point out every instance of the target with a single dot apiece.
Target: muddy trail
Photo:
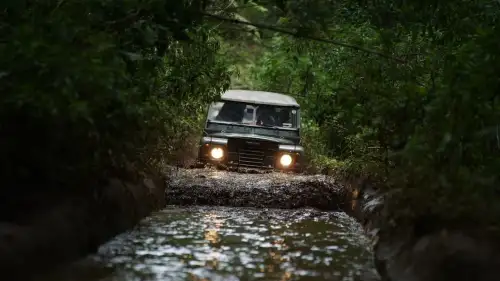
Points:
(254, 189)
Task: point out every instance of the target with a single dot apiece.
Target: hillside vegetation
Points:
(403, 91)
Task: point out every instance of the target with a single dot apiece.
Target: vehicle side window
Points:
(214, 110)
(231, 112)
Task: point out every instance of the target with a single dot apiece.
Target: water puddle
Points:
(219, 243)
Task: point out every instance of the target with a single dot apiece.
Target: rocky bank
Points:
(75, 227)
(424, 251)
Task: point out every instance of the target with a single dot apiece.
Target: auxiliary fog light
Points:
(286, 160)
(217, 153)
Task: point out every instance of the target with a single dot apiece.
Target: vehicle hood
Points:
(253, 137)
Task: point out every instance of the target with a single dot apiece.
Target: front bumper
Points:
(258, 157)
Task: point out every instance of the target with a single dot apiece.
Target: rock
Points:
(75, 227)
(406, 255)
(439, 256)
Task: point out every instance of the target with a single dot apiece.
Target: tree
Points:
(425, 123)
(92, 87)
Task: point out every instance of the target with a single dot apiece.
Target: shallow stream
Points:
(222, 243)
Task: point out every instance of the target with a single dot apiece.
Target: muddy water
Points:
(221, 243)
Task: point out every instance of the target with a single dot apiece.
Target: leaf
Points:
(283, 20)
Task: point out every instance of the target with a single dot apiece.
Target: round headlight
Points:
(286, 160)
(217, 153)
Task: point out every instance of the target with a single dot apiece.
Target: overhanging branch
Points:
(304, 36)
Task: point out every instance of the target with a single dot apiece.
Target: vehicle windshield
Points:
(252, 114)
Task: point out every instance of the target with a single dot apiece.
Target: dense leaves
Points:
(406, 91)
(426, 123)
(89, 87)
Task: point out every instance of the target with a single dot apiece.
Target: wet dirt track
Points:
(260, 190)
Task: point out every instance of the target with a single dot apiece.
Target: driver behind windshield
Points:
(266, 116)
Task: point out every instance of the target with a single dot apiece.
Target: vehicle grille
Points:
(253, 154)
(251, 157)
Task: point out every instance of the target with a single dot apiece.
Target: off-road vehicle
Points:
(253, 129)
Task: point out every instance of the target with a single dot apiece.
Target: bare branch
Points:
(304, 36)
(232, 9)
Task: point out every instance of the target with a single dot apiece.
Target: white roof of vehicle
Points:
(259, 97)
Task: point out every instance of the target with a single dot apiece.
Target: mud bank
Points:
(424, 251)
(76, 227)
(259, 190)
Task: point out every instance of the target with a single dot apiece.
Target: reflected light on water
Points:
(234, 244)
(194, 277)
(274, 261)
(212, 225)
(212, 236)
(286, 276)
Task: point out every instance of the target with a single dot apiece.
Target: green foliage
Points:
(90, 87)
(427, 126)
